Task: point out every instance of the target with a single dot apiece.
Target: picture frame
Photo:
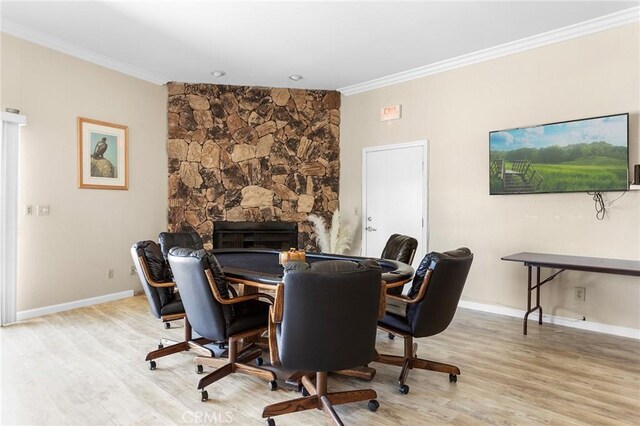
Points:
(103, 155)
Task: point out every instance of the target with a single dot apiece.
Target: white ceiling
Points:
(333, 44)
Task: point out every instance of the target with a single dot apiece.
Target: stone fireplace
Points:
(251, 154)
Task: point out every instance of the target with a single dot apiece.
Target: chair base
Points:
(235, 363)
(320, 399)
(196, 345)
(363, 373)
(409, 360)
(179, 346)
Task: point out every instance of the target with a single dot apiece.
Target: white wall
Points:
(65, 256)
(594, 75)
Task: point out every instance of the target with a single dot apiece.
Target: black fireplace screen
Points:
(274, 235)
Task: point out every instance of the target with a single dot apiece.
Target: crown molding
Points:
(617, 19)
(595, 25)
(42, 39)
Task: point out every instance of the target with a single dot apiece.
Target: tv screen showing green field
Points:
(589, 155)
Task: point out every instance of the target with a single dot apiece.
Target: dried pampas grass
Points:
(337, 239)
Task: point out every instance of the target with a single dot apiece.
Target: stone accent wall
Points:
(243, 153)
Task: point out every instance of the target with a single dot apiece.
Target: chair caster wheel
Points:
(167, 325)
(404, 389)
(160, 346)
(273, 385)
(199, 369)
(305, 392)
(259, 361)
(373, 405)
(152, 365)
(270, 422)
(392, 336)
(453, 378)
(204, 395)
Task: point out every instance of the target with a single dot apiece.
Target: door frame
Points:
(424, 143)
(9, 164)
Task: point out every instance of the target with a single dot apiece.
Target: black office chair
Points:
(217, 316)
(427, 310)
(187, 239)
(164, 301)
(401, 248)
(325, 320)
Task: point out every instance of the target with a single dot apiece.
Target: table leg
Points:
(530, 289)
(538, 294)
(526, 316)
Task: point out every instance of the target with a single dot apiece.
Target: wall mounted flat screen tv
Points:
(587, 155)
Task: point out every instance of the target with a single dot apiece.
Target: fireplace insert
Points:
(273, 235)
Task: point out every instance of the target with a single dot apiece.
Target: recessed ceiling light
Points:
(296, 77)
(217, 74)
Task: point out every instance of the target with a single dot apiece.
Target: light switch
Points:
(42, 210)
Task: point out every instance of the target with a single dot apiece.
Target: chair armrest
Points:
(396, 284)
(147, 275)
(161, 285)
(419, 296)
(277, 310)
(244, 298)
(382, 307)
(273, 342)
(275, 317)
(233, 291)
(401, 298)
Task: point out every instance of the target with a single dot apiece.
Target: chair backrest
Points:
(329, 317)
(169, 240)
(449, 272)
(401, 248)
(149, 253)
(208, 317)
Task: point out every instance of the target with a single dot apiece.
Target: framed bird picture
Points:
(102, 155)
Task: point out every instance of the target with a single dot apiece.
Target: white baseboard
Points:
(32, 313)
(615, 330)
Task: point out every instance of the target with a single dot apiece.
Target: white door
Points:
(394, 196)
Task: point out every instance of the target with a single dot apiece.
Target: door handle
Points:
(370, 229)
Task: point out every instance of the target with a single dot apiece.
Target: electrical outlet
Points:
(28, 209)
(580, 294)
(110, 274)
(133, 270)
(42, 210)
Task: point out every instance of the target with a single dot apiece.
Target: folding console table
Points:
(564, 263)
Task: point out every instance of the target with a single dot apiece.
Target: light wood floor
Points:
(87, 367)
